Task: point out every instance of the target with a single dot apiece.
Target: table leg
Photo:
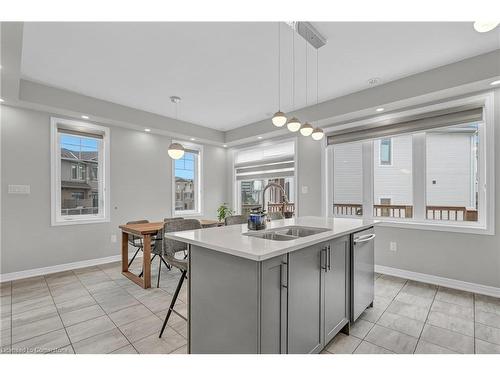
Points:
(146, 262)
(124, 252)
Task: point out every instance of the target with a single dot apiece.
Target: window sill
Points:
(442, 226)
(80, 221)
(187, 214)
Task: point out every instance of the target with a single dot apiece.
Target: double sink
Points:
(286, 233)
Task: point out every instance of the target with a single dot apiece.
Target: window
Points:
(258, 166)
(429, 175)
(79, 151)
(393, 179)
(186, 182)
(385, 151)
(452, 173)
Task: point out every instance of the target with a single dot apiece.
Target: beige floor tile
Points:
(70, 295)
(5, 337)
(75, 304)
(410, 311)
(141, 328)
(412, 299)
(181, 350)
(373, 314)
(32, 303)
(111, 302)
(170, 341)
(452, 323)
(448, 339)
(459, 311)
(368, 348)
(33, 315)
(343, 344)
(157, 300)
(29, 294)
(392, 340)
(180, 327)
(37, 328)
(483, 347)
(64, 350)
(487, 303)
(129, 349)
(420, 289)
(402, 324)
(487, 333)
(42, 344)
(102, 343)
(89, 328)
(488, 318)
(360, 328)
(454, 296)
(77, 316)
(130, 314)
(5, 322)
(424, 347)
(386, 288)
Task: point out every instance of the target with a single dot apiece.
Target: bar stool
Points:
(170, 247)
(236, 219)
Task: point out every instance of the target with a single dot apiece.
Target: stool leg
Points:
(172, 304)
(159, 273)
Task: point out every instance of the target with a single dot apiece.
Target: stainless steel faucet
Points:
(272, 184)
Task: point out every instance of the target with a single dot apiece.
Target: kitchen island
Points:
(288, 289)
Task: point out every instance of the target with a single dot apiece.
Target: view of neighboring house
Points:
(251, 192)
(184, 194)
(79, 178)
(451, 175)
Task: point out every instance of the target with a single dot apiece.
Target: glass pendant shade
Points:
(176, 151)
(485, 26)
(317, 134)
(306, 129)
(279, 119)
(293, 124)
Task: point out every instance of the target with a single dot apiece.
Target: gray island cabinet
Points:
(255, 295)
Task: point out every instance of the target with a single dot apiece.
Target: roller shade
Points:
(89, 134)
(406, 125)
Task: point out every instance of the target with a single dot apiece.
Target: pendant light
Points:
(293, 124)
(279, 118)
(306, 129)
(175, 150)
(317, 133)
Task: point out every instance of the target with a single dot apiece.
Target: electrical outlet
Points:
(393, 246)
(113, 238)
(305, 189)
(19, 189)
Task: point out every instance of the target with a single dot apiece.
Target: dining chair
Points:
(136, 241)
(236, 219)
(170, 248)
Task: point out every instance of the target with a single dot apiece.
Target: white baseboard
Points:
(441, 281)
(58, 268)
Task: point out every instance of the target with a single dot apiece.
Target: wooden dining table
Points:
(146, 231)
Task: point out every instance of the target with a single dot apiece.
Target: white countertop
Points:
(230, 239)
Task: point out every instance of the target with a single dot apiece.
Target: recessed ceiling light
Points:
(225, 145)
(147, 130)
(485, 26)
(259, 137)
(1, 100)
(192, 139)
(494, 83)
(379, 109)
(85, 117)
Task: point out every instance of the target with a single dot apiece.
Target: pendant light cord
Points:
(293, 64)
(305, 43)
(317, 74)
(279, 67)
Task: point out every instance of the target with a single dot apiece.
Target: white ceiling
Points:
(226, 73)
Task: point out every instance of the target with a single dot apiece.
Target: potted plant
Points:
(223, 211)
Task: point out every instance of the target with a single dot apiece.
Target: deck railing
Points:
(445, 213)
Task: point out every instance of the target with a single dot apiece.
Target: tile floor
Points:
(411, 317)
(97, 310)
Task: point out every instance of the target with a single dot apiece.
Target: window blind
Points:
(88, 134)
(408, 124)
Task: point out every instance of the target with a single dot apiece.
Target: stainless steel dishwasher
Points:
(362, 271)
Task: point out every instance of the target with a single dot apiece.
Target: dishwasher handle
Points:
(365, 238)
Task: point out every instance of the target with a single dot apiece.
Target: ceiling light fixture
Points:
(485, 26)
(279, 118)
(192, 139)
(1, 100)
(379, 109)
(85, 117)
(224, 145)
(147, 130)
(175, 150)
(293, 124)
(259, 137)
(317, 134)
(494, 83)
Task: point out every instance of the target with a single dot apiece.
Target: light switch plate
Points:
(19, 189)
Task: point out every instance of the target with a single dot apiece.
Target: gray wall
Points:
(141, 187)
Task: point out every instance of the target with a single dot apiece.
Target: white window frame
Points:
(198, 183)
(236, 190)
(55, 170)
(486, 210)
